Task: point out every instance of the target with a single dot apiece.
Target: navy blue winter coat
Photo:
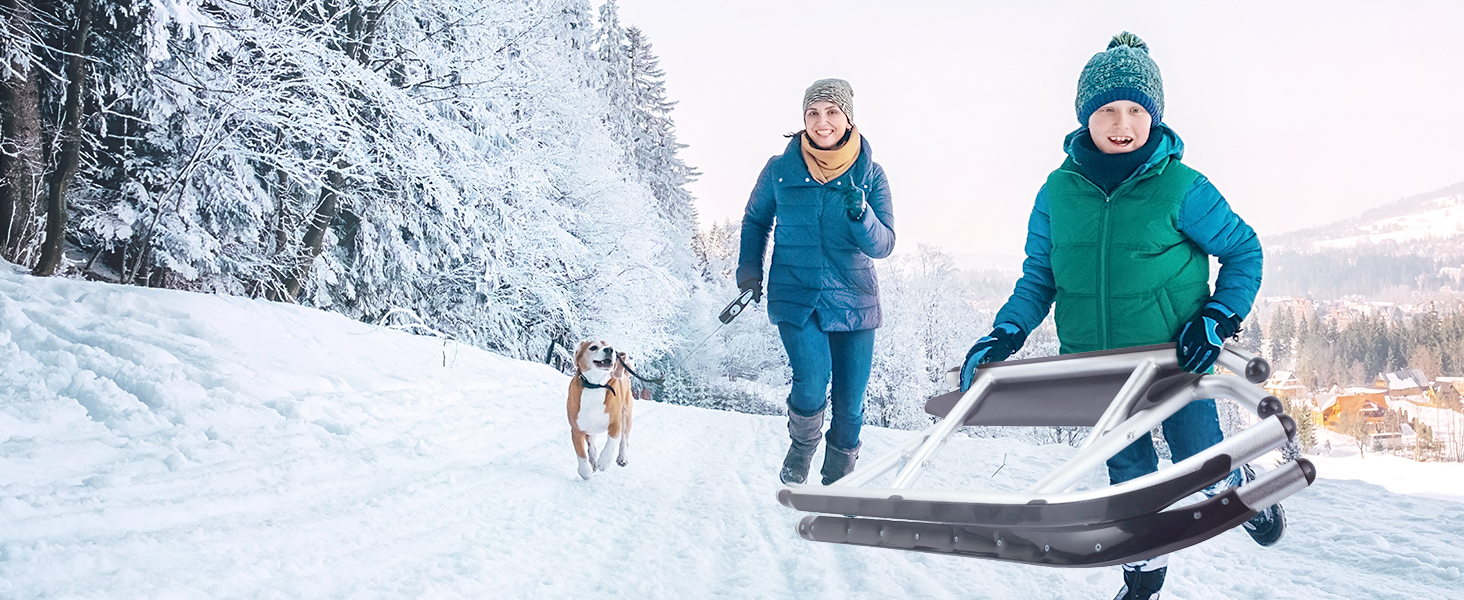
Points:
(821, 258)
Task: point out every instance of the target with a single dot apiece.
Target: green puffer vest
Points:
(1125, 275)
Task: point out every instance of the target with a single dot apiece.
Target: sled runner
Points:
(1121, 394)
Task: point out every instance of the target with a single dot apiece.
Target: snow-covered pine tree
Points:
(930, 322)
(21, 158)
(472, 180)
(637, 115)
(655, 136)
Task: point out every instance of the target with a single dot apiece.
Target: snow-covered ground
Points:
(1447, 425)
(161, 444)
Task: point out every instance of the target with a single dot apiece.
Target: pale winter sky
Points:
(1300, 112)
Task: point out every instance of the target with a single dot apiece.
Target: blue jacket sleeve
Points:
(1206, 218)
(757, 223)
(1032, 298)
(875, 232)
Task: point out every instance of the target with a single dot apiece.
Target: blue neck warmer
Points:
(1108, 171)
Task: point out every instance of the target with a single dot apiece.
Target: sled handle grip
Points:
(1253, 368)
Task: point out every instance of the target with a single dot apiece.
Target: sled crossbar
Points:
(1120, 394)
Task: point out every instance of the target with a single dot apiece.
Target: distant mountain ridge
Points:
(1423, 219)
(1409, 246)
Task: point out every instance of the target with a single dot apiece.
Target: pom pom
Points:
(1130, 40)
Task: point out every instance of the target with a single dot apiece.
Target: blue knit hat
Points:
(1122, 72)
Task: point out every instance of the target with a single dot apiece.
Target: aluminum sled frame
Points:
(1049, 523)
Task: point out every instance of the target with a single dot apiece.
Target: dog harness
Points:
(594, 386)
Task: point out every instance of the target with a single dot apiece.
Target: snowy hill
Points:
(1433, 218)
(172, 445)
(1414, 245)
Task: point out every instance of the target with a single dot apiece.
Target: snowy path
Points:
(172, 445)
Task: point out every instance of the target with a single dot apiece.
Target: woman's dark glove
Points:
(853, 202)
(1201, 339)
(1002, 342)
(754, 284)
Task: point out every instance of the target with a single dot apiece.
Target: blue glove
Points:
(853, 202)
(754, 284)
(1002, 342)
(1202, 337)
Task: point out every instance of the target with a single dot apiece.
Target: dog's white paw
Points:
(585, 468)
(621, 460)
(606, 455)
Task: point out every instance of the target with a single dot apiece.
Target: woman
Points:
(831, 205)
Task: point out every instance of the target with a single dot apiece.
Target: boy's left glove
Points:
(1201, 339)
(853, 202)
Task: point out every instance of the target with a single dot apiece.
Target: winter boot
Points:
(805, 432)
(1141, 585)
(838, 462)
(1268, 525)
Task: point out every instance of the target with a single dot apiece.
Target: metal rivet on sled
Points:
(1197, 515)
(881, 532)
(955, 539)
(1097, 547)
(917, 536)
(1225, 501)
(805, 180)
(998, 543)
(780, 180)
(839, 183)
(1046, 547)
(849, 530)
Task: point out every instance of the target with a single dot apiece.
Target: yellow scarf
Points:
(827, 165)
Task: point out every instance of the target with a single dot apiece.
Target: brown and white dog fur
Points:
(597, 410)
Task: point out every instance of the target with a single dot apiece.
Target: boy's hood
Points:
(1168, 140)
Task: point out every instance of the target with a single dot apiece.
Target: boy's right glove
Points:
(1002, 342)
(1201, 339)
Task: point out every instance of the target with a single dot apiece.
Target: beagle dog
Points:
(599, 402)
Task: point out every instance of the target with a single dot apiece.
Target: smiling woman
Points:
(830, 204)
(826, 124)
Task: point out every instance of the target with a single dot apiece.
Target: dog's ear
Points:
(579, 356)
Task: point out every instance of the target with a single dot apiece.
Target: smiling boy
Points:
(1119, 243)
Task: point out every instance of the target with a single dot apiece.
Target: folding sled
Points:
(1121, 394)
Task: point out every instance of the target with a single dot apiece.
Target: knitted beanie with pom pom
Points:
(1124, 71)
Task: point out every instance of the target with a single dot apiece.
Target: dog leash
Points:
(632, 371)
(730, 312)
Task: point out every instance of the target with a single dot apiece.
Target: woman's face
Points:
(825, 123)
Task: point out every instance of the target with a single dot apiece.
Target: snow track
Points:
(173, 445)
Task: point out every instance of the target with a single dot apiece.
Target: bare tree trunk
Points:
(360, 33)
(20, 135)
(70, 154)
(325, 213)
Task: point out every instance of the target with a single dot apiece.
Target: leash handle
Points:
(729, 313)
(735, 308)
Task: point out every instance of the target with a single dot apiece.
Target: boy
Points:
(1120, 239)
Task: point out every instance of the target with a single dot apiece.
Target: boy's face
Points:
(1119, 126)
